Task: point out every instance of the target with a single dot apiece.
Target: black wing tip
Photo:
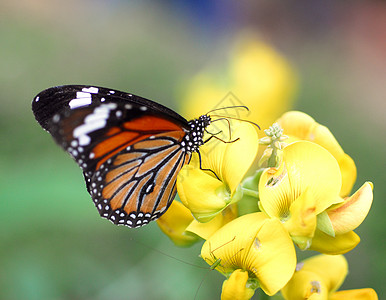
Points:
(44, 106)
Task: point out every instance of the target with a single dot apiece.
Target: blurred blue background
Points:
(53, 245)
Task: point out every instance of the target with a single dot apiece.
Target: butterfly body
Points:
(129, 148)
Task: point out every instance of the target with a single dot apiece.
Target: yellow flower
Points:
(304, 194)
(256, 244)
(236, 287)
(300, 126)
(199, 189)
(257, 76)
(319, 277)
(307, 183)
(174, 222)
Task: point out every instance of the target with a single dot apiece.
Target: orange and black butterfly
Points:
(129, 148)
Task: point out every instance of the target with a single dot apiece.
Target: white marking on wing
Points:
(82, 99)
(91, 89)
(93, 122)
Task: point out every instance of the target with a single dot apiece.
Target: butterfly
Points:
(129, 148)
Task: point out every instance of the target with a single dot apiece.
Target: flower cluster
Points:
(299, 195)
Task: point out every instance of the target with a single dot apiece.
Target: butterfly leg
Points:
(226, 142)
(201, 168)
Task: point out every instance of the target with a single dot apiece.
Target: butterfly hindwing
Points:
(138, 184)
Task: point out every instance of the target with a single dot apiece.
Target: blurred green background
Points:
(53, 245)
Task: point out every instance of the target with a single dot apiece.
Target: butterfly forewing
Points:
(128, 147)
(54, 100)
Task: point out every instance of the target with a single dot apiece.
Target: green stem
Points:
(251, 193)
(272, 158)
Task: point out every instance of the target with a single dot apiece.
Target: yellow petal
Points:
(324, 137)
(297, 124)
(349, 214)
(273, 259)
(303, 127)
(230, 161)
(349, 174)
(254, 243)
(275, 192)
(305, 285)
(302, 220)
(174, 222)
(339, 244)
(305, 166)
(359, 294)
(205, 230)
(235, 288)
(316, 277)
(300, 126)
(331, 268)
(204, 195)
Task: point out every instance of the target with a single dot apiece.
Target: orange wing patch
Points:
(115, 142)
(116, 172)
(116, 184)
(151, 123)
(134, 131)
(118, 199)
(155, 160)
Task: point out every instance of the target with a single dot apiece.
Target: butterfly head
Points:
(194, 137)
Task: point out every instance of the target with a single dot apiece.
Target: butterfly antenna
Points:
(211, 133)
(229, 126)
(226, 107)
(241, 120)
(217, 138)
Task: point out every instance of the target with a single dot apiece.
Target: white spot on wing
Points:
(91, 89)
(82, 99)
(56, 118)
